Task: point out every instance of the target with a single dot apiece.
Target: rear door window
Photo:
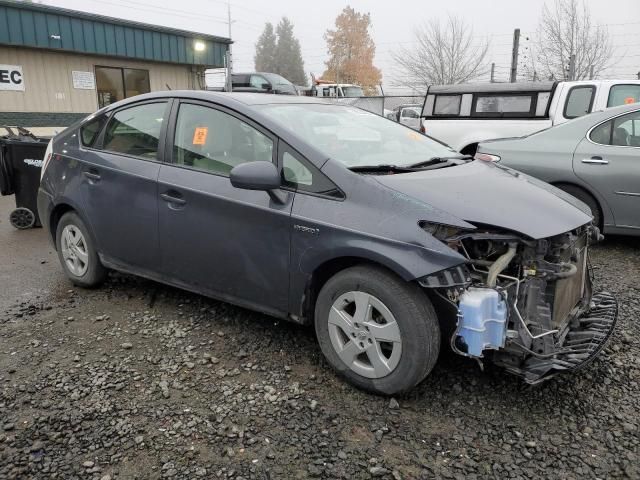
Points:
(579, 101)
(623, 95)
(136, 130)
(626, 130)
(447, 105)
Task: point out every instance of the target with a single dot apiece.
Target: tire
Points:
(587, 198)
(416, 328)
(79, 261)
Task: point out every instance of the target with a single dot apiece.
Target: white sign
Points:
(11, 78)
(83, 80)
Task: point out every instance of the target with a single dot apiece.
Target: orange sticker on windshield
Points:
(629, 100)
(200, 136)
(414, 135)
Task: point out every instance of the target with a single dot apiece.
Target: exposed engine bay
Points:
(526, 305)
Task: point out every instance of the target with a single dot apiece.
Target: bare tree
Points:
(565, 31)
(444, 54)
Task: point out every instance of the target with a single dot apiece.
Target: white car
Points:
(464, 115)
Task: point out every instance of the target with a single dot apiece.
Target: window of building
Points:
(215, 141)
(302, 176)
(136, 130)
(447, 105)
(579, 101)
(623, 95)
(503, 104)
(114, 84)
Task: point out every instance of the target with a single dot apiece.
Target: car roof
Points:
(223, 98)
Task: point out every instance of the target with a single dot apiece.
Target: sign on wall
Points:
(83, 80)
(11, 78)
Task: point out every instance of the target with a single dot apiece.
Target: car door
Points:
(609, 160)
(121, 197)
(217, 239)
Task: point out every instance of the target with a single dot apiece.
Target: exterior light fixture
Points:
(199, 46)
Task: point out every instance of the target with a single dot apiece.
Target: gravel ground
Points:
(138, 380)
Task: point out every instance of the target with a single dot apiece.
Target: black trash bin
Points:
(21, 157)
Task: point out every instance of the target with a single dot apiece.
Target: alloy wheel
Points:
(74, 250)
(365, 334)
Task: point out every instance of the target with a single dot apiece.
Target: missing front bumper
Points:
(578, 348)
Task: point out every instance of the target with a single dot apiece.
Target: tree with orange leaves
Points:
(351, 51)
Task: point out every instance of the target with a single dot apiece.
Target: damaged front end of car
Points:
(526, 305)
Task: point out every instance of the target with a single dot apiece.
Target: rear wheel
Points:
(77, 252)
(379, 332)
(587, 198)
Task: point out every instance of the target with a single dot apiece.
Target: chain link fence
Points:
(380, 105)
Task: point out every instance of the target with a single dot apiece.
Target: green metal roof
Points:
(41, 26)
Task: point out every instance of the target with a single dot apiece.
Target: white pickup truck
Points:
(465, 114)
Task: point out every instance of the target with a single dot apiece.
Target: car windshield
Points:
(277, 79)
(356, 137)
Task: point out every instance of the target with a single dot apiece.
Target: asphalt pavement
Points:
(28, 262)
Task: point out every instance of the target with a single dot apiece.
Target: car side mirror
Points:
(262, 176)
(266, 86)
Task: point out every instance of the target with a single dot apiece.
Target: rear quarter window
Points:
(90, 131)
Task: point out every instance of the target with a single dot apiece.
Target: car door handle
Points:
(172, 198)
(595, 160)
(92, 175)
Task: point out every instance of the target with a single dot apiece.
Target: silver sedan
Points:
(595, 158)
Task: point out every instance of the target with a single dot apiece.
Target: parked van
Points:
(464, 115)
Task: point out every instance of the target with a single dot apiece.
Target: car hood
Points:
(485, 193)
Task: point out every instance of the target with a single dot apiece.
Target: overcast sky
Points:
(393, 24)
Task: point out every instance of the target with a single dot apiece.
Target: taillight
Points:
(47, 157)
(486, 157)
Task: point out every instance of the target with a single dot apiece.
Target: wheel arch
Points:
(605, 214)
(57, 212)
(326, 270)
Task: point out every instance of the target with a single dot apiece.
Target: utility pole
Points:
(514, 55)
(493, 71)
(572, 67)
(229, 55)
(591, 72)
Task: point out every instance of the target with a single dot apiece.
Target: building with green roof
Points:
(59, 65)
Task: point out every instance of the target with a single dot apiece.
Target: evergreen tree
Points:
(266, 50)
(288, 55)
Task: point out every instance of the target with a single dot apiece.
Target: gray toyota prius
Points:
(388, 242)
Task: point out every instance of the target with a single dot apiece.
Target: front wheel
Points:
(77, 252)
(380, 332)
